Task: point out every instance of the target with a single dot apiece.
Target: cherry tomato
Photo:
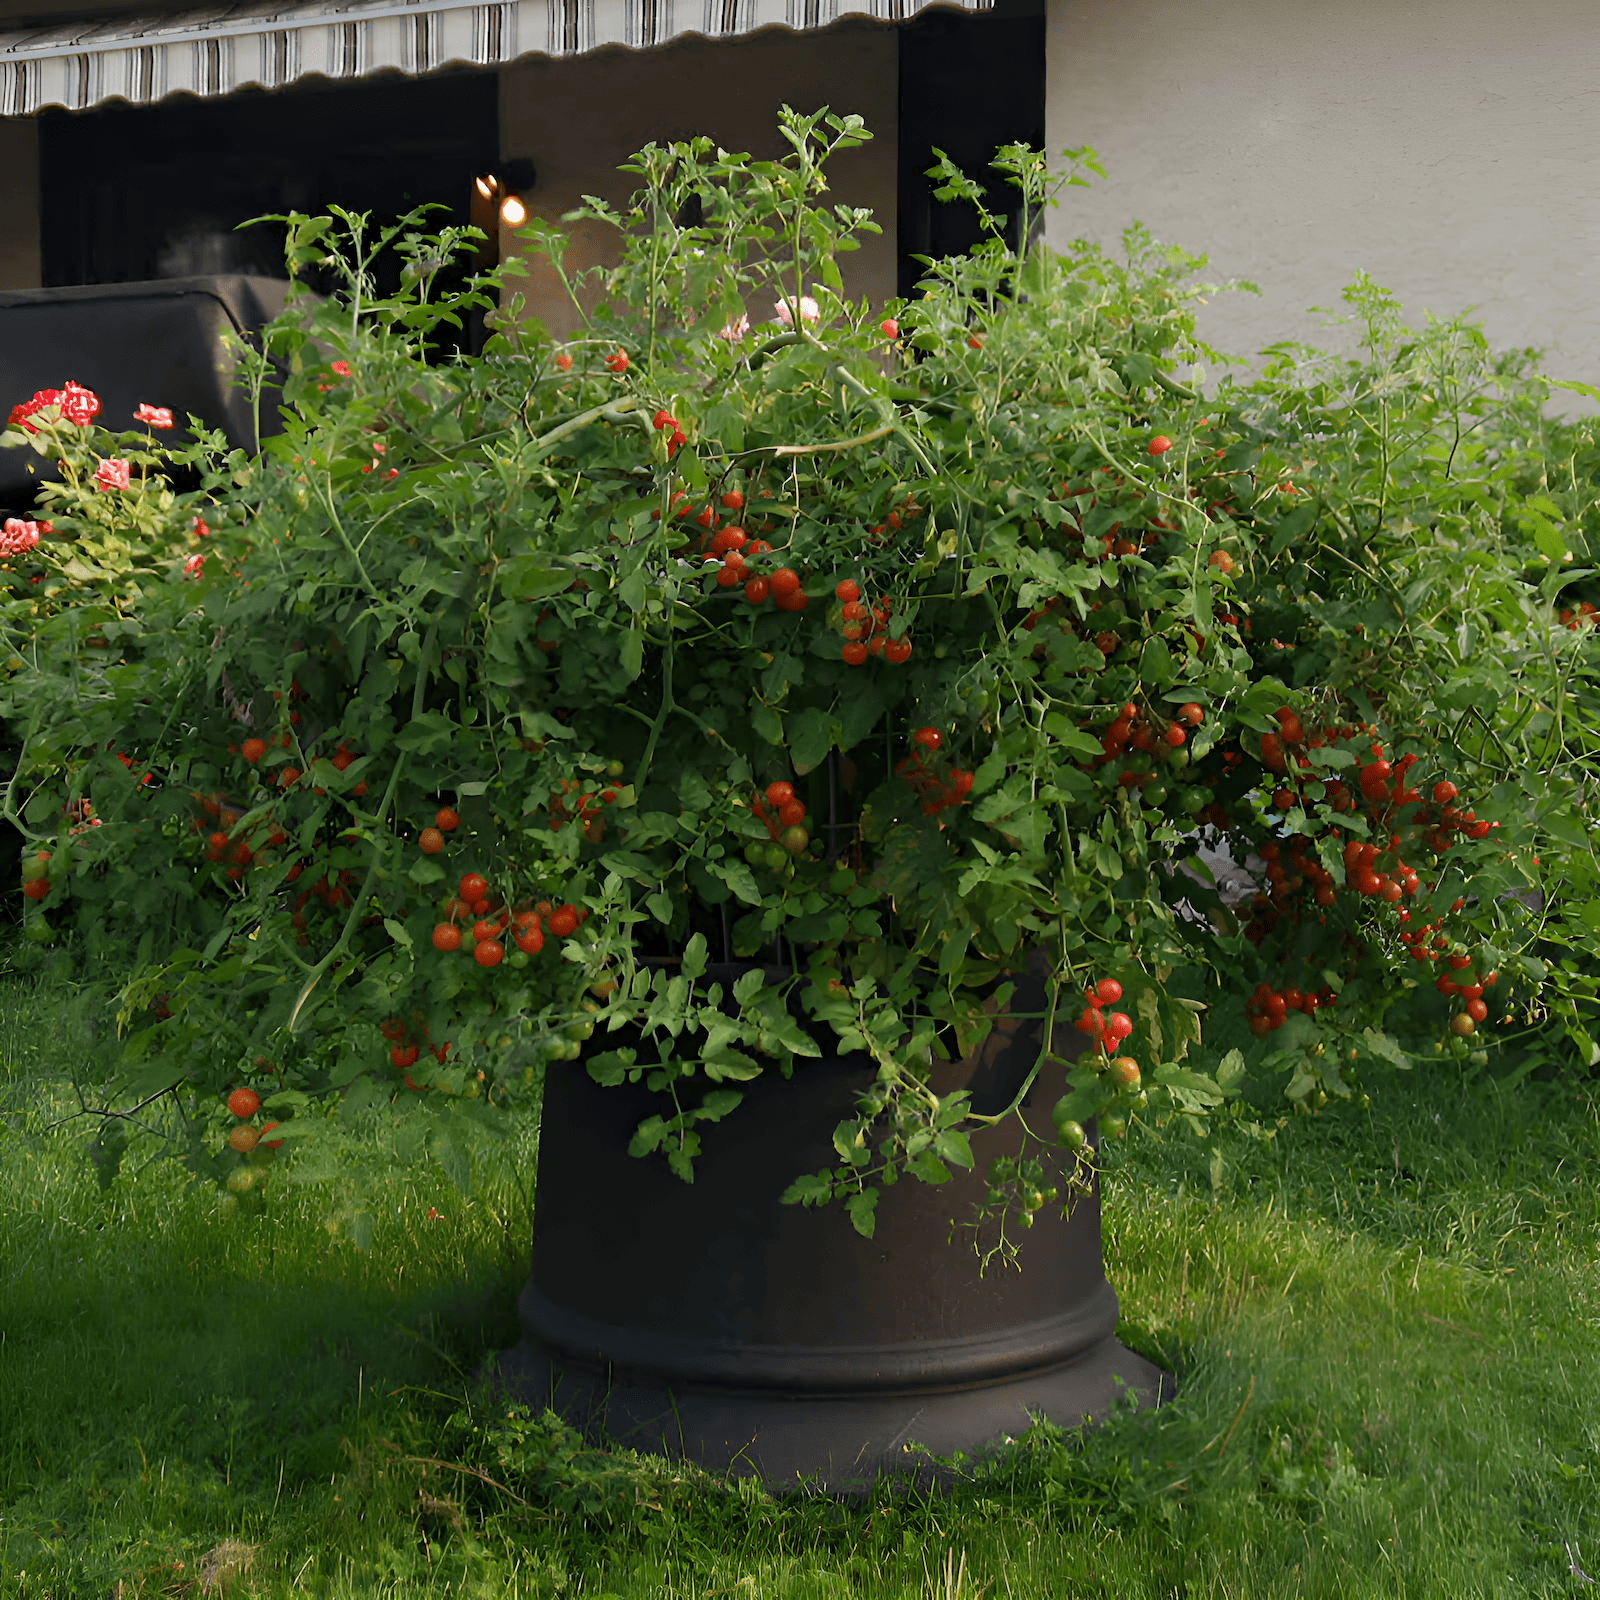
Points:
(446, 936)
(472, 888)
(430, 841)
(244, 1102)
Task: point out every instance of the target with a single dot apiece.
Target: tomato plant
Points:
(724, 669)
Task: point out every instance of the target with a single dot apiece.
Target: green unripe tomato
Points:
(34, 868)
(517, 958)
(582, 1029)
(1178, 758)
(1155, 794)
(756, 854)
(613, 769)
(774, 856)
(1114, 1127)
(1033, 1200)
(38, 931)
(1072, 1135)
(794, 839)
(241, 1180)
(1192, 801)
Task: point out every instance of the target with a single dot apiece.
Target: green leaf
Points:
(609, 1068)
(694, 957)
(1069, 736)
(718, 1104)
(811, 736)
(862, 1208)
(396, 932)
(425, 870)
(766, 723)
(738, 877)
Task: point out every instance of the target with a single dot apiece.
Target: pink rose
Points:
(153, 416)
(194, 566)
(18, 537)
(734, 331)
(112, 474)
(78, 405)
(342, 368)
(199, 528)
(808, 311)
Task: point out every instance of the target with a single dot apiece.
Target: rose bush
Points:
(889, 647)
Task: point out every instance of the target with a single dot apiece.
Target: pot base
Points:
(842, 1445)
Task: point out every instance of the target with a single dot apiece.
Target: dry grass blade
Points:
(226, 1560)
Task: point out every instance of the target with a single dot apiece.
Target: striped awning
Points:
(217, 49)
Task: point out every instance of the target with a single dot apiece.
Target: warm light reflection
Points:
(512, 211)
(487, 186)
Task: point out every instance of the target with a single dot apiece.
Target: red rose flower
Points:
(342, 368)
(78, 405)
(153, 416)
(112, 474)
(44, 398)
(17, 537)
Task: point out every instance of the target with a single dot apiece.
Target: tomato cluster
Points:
(1393, 815)
(1119, 1073)
(1474, 1009)
(939, 783)
(407, 1041)
(899, 515)
(783, 814)
(1584, 617)
(1154, 741)
(1268, 1009)
(244, 1104)
(491, 923)
(864, 628)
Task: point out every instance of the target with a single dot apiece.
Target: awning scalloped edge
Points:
(221, 49)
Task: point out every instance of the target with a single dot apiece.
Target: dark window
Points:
(969, 83)
(130, 193)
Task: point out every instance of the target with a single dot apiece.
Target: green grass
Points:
(1384, 1325)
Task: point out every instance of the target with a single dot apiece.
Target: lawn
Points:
(1383, 1325)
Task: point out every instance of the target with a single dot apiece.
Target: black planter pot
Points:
(708, 1321)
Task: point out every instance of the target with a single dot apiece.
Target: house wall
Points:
(1446, 147)
(577, 119)
(19, 203)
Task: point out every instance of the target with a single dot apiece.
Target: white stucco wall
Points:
(19, 203)
(1450, 148)
(578, 119)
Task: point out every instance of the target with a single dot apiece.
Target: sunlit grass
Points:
(1384, 1327)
